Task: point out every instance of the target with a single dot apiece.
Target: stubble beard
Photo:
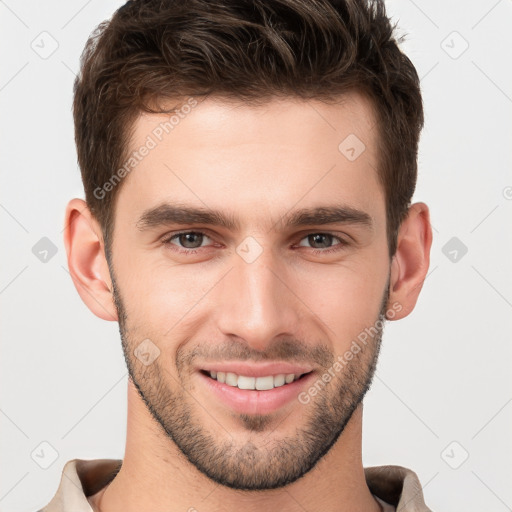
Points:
(263, 460)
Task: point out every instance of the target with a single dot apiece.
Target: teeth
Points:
(279, 380)
(231, 379)
(262, 383)
(247, 382)
(259, 383)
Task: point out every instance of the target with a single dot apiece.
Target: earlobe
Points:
(410, 263)
(86, 260)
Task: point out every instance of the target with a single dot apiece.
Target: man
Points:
(248, 170)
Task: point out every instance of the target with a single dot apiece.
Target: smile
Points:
(268, 391)
(263, 383)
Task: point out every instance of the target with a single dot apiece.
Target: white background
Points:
(444, 372)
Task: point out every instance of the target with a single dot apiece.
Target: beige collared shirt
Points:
(397, 489)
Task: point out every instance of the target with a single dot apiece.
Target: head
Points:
(248, 170)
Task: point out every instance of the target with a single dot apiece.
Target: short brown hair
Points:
(248, 50)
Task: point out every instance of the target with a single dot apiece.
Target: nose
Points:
(257, 302)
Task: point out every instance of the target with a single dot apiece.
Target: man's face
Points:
(262, 298)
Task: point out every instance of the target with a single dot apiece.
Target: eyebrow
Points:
(166, 214)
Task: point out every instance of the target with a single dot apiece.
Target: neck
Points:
(156, 476)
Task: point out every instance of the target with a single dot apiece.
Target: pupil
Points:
(315, 238)
(186, 238)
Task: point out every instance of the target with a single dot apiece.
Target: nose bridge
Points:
(256, 304)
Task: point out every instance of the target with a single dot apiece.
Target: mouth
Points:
(247, 382)
(259, 389)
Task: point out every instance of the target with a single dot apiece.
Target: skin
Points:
(294, 302)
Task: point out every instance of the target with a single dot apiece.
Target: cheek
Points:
(347, 298)
(161, 298)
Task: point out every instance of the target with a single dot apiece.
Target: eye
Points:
(324, 239)
(187, 241)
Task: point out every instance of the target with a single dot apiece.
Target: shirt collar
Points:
(81, 478)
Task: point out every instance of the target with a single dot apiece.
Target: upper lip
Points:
(257, 370)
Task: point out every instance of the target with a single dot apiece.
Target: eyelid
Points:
(169, 236)
(339, 238)
(166, 239)
(342, 236)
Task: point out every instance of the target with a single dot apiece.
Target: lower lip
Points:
(251, 401)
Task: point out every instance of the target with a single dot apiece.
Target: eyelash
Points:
(188, 252)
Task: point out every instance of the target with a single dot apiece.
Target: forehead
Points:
(228, 155)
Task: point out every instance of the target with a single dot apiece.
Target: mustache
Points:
(285, 349)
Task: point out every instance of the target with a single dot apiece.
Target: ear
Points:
(86, 260)
(410, 263)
